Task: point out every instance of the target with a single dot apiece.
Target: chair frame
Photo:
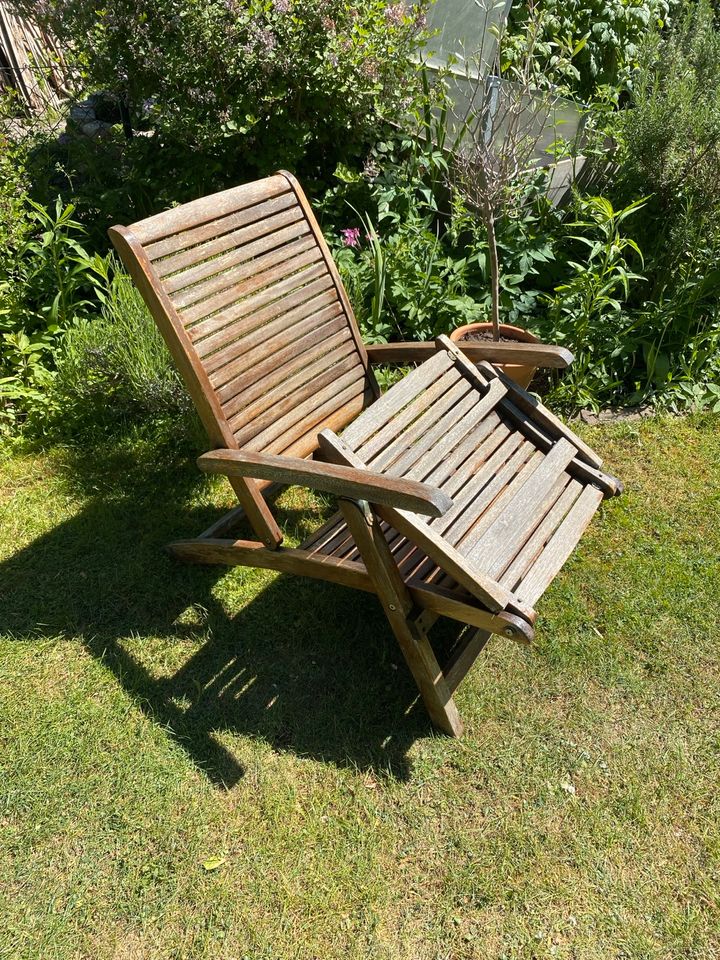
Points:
(368, 500)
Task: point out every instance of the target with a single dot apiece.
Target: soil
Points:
(487, 337)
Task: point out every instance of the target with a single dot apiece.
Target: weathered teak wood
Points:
(397, 604)
(464, 656)
(461, 495)
(533, 354)
(342, 481)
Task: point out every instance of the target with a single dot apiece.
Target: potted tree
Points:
(496, 152)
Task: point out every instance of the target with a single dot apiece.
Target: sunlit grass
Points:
(206, 763)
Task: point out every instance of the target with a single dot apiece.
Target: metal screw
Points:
(392, 606)
(509, 632)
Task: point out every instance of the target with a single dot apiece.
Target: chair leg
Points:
(397, 604)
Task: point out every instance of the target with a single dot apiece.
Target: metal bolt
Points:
(392, 606)
(509, 632)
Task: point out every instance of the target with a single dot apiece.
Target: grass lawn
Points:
(198, 762)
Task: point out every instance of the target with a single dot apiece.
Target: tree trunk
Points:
(494, 274)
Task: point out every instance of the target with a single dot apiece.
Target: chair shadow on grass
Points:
(305, 666)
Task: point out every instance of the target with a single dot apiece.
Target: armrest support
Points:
(349, 482)
(533, 354)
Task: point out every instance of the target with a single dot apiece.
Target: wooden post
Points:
(397, 604)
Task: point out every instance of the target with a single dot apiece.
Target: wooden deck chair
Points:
(460, 495)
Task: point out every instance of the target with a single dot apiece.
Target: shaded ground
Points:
(155, 716)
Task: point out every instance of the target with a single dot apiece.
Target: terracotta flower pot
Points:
(521, 373)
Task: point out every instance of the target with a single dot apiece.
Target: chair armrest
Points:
(349, 482)
(533, 354)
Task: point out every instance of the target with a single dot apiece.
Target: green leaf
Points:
(213, 863)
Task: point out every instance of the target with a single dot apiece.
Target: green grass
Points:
(154, 716)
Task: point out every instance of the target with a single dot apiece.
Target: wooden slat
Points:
(211, 294)
(247, 348)
(206, 209)
(477, 495)
(193, 373)
(318, 333)
(307, 417)
(438, 441)
(269, 401)
(489, 431)
(372, 386)
(494, 596)
(482, 465)
(531, 549)
(227, 233)
(527, 466)
(290, 408)
(396, 397)
(409, 443)
(333, 413)
(209, 335)
(407, 415)
(238, 291)
(577, 467)
(524, 507)
(560, 546)
(178, 283)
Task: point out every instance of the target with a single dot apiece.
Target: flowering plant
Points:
(277, 80)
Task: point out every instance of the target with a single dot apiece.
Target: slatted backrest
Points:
(245, 292)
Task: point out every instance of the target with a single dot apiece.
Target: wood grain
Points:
(341, 480)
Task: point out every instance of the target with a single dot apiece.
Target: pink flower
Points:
(351, 236)
(395, 14)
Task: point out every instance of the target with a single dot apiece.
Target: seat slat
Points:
(466, 450)
(488, 481)
(479, 491)
(560, 546)
(531, 549)
(438, 437)
(402, 450)
(212, 294)
(499, 503)
(404, 418)
(503, 531)
(227, 233)
(490, 454)
(386, 407)
(210, 334)
(233, 257)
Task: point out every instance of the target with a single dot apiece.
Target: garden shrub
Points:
(608, 35)
(669, 149)
(115, 368)
(401, 227)
(47, 281)
(259, 84)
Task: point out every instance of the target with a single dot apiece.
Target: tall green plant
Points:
(586, 312)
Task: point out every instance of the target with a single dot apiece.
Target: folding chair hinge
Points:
(366, 510)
